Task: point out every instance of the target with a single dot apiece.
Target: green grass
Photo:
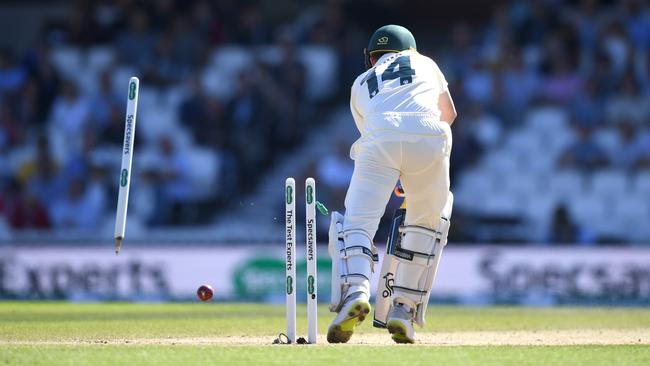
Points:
(341, 355)
(73, 334)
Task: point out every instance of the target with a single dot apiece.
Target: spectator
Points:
(630, 151)
(48, 85)
(10, 128)
(96, 188)
(248, 116)
(497, 40)
(78, 208)
(331, 25)
(113, 132)
(187, 44)
(587, 106)
(27, 107)
(103, 99)
(458, 61)
(615, 44)
(39, 163)
(637, 25)
(536, 23)
(12, 75)
(204, 116)
(162, 13)
(207, 22)
(587, 20)
(485, 128)
(562, 84)
(628, 104)
(335, 171)
(563, 229)
(479, 83)
(173, 181)
(290, 76)
(606, 79)
(250, 28)
(77, 164)
(81, 29)
(520, 85)
(136, 44)
(643, 146)
(70, 114)
(584, 154)
(164, 70)
(23, 209)
(467, 150)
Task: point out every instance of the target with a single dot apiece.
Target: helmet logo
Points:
(382, 41)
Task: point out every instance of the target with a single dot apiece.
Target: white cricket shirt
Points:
(400, 93)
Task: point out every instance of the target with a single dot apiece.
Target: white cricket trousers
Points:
(420, 162)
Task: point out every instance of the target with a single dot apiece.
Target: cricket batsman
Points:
(402, 107)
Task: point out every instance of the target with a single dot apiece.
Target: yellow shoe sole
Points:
(398, 332)
(341, 332)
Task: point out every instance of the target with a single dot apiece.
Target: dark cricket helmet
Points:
(389, 38)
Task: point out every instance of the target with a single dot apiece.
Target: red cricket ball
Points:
(205, 293)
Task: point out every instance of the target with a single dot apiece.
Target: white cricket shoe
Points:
(400, 324)
(353, 313)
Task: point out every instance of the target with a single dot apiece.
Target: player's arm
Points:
(358, 117)
(445, 103)
(447, 109)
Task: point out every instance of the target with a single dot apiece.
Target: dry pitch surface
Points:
(566, 337)
(188, 334)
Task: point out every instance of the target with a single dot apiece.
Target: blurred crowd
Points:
(60, 133)
(59, 137)
(589, 58)
(585, 61)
